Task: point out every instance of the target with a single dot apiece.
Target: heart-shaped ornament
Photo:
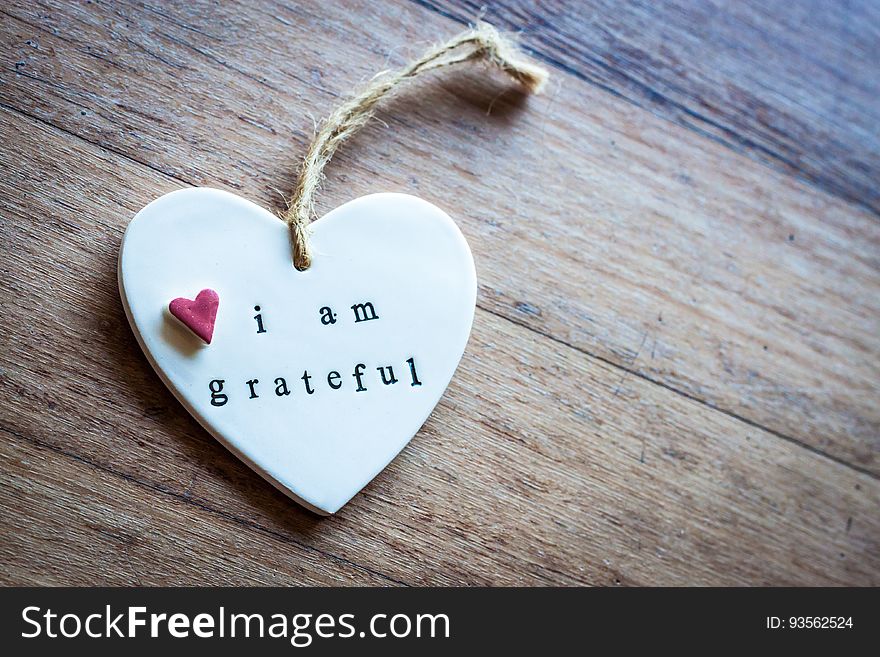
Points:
(316, 379)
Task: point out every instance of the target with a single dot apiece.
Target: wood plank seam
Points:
(162, 490)
(731, 414)
(619, 366)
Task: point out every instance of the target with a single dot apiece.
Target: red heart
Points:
(199, 315)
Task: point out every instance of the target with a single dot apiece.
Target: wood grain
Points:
(647, 246)
(673, 373)
(137, 535)
(541, 464)
(791, 84)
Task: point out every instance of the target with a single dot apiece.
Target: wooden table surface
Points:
(673, 376)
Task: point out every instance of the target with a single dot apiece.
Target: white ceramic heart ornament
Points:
(316, 379)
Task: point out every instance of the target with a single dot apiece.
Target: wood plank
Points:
(76, 525)
(592, 221)
(541, 464)
(791, 84)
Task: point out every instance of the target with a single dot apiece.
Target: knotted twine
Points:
(482, 42)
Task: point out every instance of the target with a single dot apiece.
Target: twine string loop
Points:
(482, 42)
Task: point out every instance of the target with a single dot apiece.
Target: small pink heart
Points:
(199, 315)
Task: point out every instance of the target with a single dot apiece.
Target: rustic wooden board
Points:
(648, 246)
(791, 84)
(541, 465)
(100, 528)
(672, 378)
